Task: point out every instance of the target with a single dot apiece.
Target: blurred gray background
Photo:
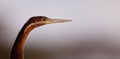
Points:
(94, 32)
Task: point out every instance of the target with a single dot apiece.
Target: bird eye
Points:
(43, 19)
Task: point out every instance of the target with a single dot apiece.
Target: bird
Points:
(17, 51)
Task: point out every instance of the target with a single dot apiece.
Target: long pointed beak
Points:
(50, 21)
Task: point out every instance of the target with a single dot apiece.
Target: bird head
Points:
(42, 20)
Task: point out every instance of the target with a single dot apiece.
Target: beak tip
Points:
(59, 20)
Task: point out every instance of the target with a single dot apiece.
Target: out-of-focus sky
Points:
(95, 22)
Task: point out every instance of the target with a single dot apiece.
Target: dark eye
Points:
(43, 19)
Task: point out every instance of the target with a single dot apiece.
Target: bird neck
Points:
(18, 47)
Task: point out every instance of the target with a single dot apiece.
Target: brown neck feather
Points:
(18, 48)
